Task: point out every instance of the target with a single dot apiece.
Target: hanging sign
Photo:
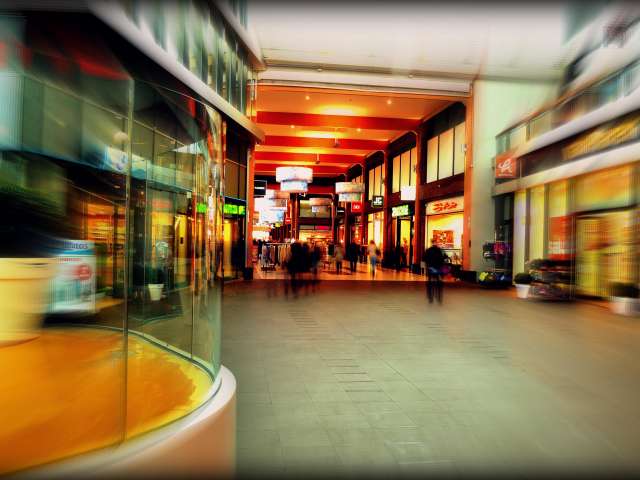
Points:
(448, 205)
(506, 167)
(377, 201)
(401, 210)
(356, 207)
(74, 284)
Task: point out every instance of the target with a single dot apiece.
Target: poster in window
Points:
(443, 238)
(560, 241)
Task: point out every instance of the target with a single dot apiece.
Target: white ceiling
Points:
(502, 39)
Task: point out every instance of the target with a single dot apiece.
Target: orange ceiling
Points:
(332, 114)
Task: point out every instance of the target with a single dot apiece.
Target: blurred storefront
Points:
(444, 224)
(575, 199)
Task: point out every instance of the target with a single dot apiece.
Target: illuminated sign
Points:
(377, 201)
(241, 210)
(449, 205)
(349, 187)
(356, 207)
(401, 210)
(294, 186)
(259, 188)
(201, 207)
(408, 193)
(349, 197)
(506, 167)
(230, 209)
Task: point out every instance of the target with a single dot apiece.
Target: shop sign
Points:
(287, 220)
(230, 209)
(356, 207)
(74, 284)
(241, 209)
(377, 201)
(449, 205)
(506, 167)
(408, 193)
(259, 188)
(401, 210)
(201, 207)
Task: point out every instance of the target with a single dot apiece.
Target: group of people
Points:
(352, 254)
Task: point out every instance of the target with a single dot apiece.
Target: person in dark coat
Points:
(352, 256)
(433, 257)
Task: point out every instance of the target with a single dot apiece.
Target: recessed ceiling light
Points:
(307, 97)
(292, 126)
(359, 129)
(319, 69)
(388, 101)
(410, 75)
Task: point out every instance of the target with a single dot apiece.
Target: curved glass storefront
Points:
(111, 251)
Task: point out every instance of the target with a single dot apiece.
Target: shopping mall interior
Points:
(269, 238)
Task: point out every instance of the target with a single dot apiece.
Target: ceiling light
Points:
(319, 69)
(292, 126)
(307, 97)
(389, 101)
(359, 129)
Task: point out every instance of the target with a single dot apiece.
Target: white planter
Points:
(624, 305)
(24, 287)
(155, 291)
(522, 290)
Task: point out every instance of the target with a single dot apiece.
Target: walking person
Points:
(433, 257)
(373, 257)
(352, 255)
(338, 256)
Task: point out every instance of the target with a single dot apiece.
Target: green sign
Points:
(232, 209)
(400, 211)
(201, 207)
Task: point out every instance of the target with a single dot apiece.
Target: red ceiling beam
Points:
(344, 121)
(324, 158)
(347, 143)
(312, 188)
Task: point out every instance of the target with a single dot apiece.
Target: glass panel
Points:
(519, 230)
(445, 158)
(517, 136)
(459, 148)
(540, 124)
(396, 174)
(405, 166)
(432, 159)
(231, 179)
(371, 183)
(536, 222)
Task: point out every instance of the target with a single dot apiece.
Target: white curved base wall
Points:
(201, 444)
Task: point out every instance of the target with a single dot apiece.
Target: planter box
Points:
(624, 306)
(522, 290)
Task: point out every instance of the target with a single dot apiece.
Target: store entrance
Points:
(402, 235)
(605, 251)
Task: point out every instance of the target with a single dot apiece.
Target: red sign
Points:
(506, 167)
(287, 220)
(356, 207)
(83, 272)
(443, 238)
(560, 238)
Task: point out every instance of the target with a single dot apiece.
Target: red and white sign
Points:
(356, 207)
(506, 167)
(448, 205)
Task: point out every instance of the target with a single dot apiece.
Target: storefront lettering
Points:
(506, 168)
(446, 206)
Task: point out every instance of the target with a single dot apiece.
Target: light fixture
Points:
(307, 97)
(350, 197)
(303, 174)
(292, 126)
(294, 186)
(388, 101)
(273, 194)
(359, 129)
(319, 201)
(349, 187)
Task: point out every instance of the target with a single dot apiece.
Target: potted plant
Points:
(624, 298)
(523, 283)
(156, 284)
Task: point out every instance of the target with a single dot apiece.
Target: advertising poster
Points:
(444, 238)
(560, 241)
(74, 285)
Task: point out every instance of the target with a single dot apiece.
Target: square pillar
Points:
(419, 212)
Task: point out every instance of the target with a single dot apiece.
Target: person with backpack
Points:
(433, 257)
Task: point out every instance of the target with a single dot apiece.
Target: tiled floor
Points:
(362, 273)
(368, 377)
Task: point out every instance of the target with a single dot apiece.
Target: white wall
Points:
(496, 105)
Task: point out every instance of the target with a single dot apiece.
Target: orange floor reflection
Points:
(64, 393)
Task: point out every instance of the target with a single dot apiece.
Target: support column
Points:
(419, 215)
(249, 210)
(386, 210)
(468, 177)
